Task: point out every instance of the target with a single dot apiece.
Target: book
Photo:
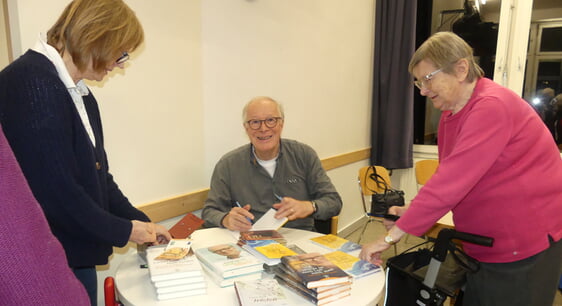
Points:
(268, 221)
(352, 265)
(179, 281)
(229, 281)
(269, 251)
(335, 243)
(163, 269)
(316, 293)
(185, 226)
(180, 294)
(262, 235)
(318, 301)
(228, 259)
(260, 292)
(181, 288)
(315, 270)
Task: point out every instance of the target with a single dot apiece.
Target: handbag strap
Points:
(378, 179)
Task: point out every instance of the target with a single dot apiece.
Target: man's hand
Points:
(293, 209)
(239, 219)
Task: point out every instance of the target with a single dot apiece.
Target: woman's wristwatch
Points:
(388, 239)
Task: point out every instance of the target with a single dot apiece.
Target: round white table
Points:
(134, 286)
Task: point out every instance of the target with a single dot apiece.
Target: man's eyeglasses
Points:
(255, 124)
(123, 58)
(426, 79)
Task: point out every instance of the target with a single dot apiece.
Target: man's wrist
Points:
(314, 207)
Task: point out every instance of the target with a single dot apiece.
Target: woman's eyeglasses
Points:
(255, 124)
(123, 58)
(426, 79)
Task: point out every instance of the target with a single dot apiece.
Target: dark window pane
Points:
(550, 40)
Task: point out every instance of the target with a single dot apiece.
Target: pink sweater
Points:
(500, 173)
(33, 266)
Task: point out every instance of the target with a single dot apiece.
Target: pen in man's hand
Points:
(247, 218)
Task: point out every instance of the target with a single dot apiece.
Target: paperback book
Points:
(315, 270)
(352, 265)
(335, 243)
(162, 269)
(228, 260)
(262, 235)
(260, 292)
(312, 294)
(229, 281)
(269, 251)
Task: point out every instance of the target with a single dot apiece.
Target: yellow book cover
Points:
(351, 264)
(274, 250)
(336, 243)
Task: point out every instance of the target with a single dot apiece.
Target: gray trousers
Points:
(532, 281)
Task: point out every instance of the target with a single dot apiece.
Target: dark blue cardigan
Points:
(69, 177)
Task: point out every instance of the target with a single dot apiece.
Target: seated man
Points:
(269, 172)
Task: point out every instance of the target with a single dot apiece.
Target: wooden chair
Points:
(109, 295)
(424, 170)
(367, 187)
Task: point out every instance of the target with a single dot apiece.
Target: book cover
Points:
(335, 243)
(270, 251)
(314, 270)
(262, 235)
(163, 269)
(186, 226)
(228, 259)
(352, 265)
(229, 281)
(260, 292)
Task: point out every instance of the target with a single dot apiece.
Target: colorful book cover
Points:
(315, 270)
(336, 243)
(228, 259)
(262, 235)
(260, 292)
(352, 265)
(161, 270)
(270, 251)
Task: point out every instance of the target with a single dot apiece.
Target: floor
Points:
(376, 229)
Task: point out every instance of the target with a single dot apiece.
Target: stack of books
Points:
(174, 271)
(313, 277)
(228, 262)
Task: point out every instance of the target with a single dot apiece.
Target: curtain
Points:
(392, 103)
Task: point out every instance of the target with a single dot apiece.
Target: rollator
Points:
(426, 277)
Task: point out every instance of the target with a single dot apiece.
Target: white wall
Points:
(176, 108)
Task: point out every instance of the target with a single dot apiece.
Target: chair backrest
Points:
(110, 298)
(425, 169)
(369, 186)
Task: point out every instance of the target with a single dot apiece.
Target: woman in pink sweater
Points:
(500, 173)
(33, 269)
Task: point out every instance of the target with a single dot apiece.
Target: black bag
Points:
(381, 202)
